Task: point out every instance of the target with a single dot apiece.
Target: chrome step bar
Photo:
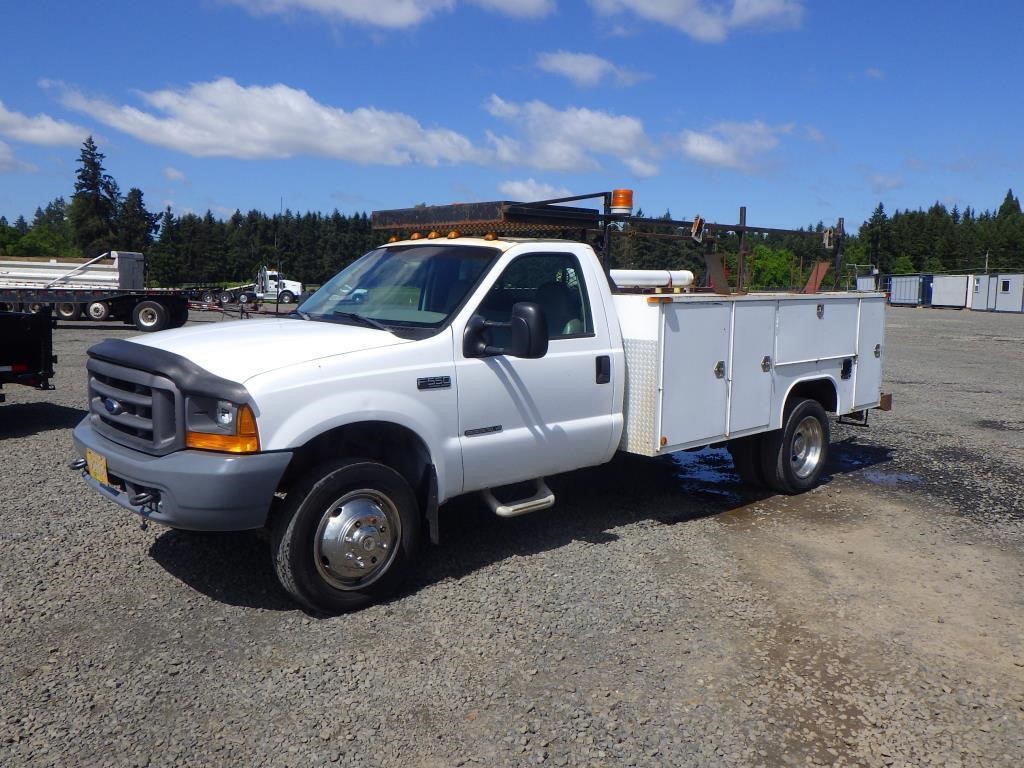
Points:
(541, 499)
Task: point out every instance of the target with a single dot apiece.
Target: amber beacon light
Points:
(622, 202)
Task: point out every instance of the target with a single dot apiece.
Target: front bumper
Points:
(193, 490)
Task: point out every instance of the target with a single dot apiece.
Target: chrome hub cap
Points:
(357, 539)
(808, 447)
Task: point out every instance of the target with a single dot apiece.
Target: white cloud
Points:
(585, 69)
(570, 139)
(9, 163)
(530, 189)
(738, 146)
(173, 174)
(394, 14)
(391, 14)
(521, 8)
(708, 22)
(814, 134)
(874, 73)
(224, 119)
(41, 129)
(885, 182)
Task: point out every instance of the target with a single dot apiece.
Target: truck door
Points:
(519, 418)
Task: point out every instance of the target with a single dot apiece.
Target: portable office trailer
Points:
(910, 289)
(867, 283)
(949, 291)
(1009, 293)
(980, 292)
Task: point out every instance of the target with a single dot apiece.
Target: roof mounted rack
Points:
(544, 217)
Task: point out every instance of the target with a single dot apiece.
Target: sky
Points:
(801, 110)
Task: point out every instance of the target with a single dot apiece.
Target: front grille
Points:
(135, 408)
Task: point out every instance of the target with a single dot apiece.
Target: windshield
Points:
(416, 286)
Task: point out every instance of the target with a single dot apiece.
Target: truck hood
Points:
(241, 349)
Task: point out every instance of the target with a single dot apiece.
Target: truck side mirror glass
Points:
(527, 328)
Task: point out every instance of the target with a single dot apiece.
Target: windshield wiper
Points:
(297, 313)
(362, 320)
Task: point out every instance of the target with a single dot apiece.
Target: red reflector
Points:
(20, 368)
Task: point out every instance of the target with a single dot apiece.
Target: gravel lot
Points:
(657, 616)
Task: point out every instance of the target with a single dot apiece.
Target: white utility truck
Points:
(443, 364)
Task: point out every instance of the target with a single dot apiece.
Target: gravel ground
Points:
(658, 615)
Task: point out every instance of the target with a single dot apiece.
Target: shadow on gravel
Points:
(232, 568)
(24, 419)
(235, 568)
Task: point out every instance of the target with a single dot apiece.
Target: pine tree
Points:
(135, 225)
(95, 204)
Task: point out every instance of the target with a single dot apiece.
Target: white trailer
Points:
(1009, 292)
(950, 290)
(906, 289)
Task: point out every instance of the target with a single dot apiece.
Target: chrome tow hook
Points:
(77, 465)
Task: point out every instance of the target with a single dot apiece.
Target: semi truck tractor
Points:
(461, 358)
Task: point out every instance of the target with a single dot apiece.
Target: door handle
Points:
(603, 369)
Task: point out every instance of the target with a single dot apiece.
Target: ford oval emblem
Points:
(114, 408)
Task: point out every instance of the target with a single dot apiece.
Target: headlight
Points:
(219, 425)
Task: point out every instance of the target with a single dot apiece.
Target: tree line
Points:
(311, 246)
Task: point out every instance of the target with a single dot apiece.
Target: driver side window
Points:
(552, 280)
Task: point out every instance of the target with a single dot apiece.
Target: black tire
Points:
(224, 297)
(793, 458)
(98, 311)
(67, 310)
(285, 297)
(150, 316)
(244, 298)
(746, 458)
(34, 307)
(208, 297)
(179, 315)
(318, 566)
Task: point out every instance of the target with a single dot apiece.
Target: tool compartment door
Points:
(753, 339)
(869, 368)
(695, 339)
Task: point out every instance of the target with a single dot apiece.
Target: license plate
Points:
(97, 466)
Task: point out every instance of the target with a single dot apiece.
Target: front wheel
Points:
(346, 535)
(285, 297)
(794, 457)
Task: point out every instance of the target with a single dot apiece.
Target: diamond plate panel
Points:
(641, 400)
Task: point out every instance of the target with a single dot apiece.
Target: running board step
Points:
(541, 499)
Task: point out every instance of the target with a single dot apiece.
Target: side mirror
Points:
(527, 329)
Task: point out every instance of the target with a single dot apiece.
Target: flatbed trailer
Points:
(92, 290)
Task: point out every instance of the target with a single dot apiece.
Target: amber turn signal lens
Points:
(245, 440)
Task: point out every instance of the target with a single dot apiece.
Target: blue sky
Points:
(800, 110)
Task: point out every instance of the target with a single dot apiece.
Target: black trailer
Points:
(26, 349)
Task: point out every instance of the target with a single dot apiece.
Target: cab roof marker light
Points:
(454, 234)
(434, 234)
(415, 236)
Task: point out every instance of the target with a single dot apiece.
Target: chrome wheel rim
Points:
(147, 317)
(808, 447)
(97, 311)
(357, 539)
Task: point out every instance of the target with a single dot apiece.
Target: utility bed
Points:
(703, 369)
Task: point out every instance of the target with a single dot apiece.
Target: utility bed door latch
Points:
(766, 363)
